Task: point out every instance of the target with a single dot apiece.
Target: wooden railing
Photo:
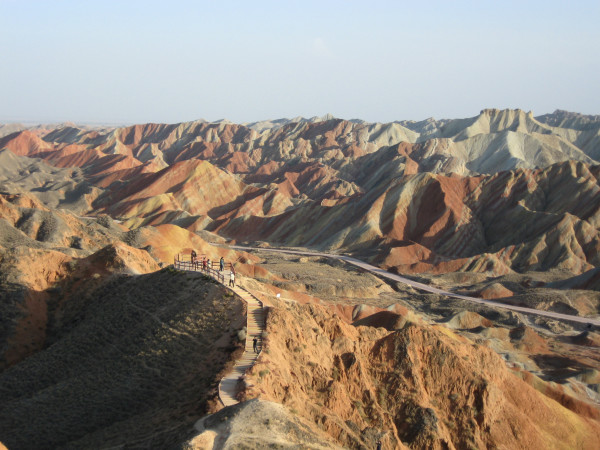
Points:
(254, 321)
(211, 269)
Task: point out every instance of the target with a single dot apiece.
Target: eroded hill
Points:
(502, 205)
(132, 361)
(420, 386)
(499, 192)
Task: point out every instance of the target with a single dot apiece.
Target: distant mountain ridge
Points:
(568, 119)
(492, 141)
(364, 185)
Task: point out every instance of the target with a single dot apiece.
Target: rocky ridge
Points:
(419, 195)
(501, 205)
(420, 386)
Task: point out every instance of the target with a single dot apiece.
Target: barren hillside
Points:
(490, 193)
(102, 344)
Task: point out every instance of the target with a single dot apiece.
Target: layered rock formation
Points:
(502, 205)
(518, 220)
(419, 387)
(487, 193)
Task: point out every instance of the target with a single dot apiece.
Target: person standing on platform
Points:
(221, 264)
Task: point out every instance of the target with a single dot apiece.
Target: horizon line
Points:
(327, 116)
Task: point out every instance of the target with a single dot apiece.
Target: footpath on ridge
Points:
(392, 276)
(254, 328)
(255, 322)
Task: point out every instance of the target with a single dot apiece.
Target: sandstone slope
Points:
(520, 220)
(421, 386)
(45, 254)
(407, 195)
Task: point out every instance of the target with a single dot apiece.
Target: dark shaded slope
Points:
(133, 364)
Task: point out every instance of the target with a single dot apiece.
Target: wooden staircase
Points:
(254, 327)
(255, 323)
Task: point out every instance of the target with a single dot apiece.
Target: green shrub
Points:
(335, 374)
(359, 408)
(383, 394)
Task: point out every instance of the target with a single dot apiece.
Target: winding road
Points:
(392, 276)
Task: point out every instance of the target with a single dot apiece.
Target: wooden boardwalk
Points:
(255, 323)
(254, 327)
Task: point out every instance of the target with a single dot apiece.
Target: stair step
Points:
(255, 326)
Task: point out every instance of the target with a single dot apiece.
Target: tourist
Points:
(232, 278)
(193, 258)
(255, 344)
(221, 264)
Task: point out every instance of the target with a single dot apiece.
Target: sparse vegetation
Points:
(143, 328)
(383, 397)
(359, 409)
(335, 373)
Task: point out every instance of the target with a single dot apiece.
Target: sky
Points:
(130, 61)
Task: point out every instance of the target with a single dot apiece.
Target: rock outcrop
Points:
(495, 193)
(420, 386)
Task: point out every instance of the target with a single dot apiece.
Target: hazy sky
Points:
(172, 61)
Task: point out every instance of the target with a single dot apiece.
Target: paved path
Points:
(424, 287)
